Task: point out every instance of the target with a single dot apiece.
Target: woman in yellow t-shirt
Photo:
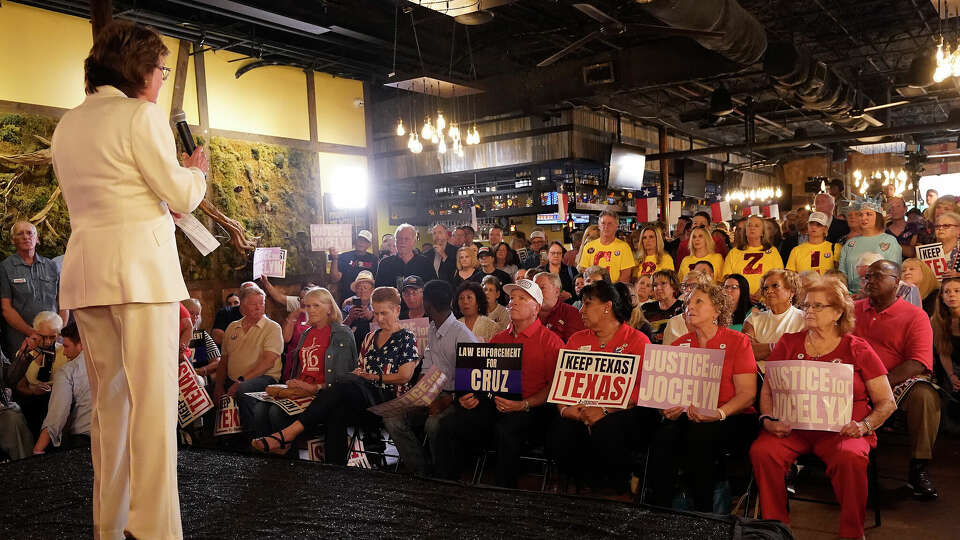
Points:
(817, 253)
(702, 249)
(753, 255)
(651, 256)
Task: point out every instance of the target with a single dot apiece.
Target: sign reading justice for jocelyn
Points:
(597, 379)
(489, 370)
(680, 377)
(811, 395)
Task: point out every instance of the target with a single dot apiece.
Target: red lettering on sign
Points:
(648, 268)
(602, 256)
(753, 263)
(815, 259)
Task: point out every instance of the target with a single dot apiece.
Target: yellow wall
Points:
(41, 56)
(268, 101)
(338, 119)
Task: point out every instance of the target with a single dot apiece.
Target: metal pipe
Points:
(829, 138)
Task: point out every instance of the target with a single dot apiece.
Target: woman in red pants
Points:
(828, 316)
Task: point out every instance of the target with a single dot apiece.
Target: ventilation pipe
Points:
(744, 39)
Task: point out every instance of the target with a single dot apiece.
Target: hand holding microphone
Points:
(194, 156)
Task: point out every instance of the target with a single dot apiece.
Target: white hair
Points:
(403, 226)
(249, 291)
(48, 318)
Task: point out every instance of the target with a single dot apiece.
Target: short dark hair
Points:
(71, 332)
(708, 263)
(703, 214)
(232, 294)
(123, 55)
(477, 291)
(605, 291)
(468, 228)
(914, 211)
(686, 219)
(438, 294)
(836, 182)
(563, 250)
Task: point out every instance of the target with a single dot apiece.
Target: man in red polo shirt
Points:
(476, 423)
(901, 335)
(559, 317)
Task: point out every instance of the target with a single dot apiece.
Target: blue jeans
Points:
(246, 403)
(269, 419)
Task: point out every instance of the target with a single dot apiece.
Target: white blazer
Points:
(116, 161)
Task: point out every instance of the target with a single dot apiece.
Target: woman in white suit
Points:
(116, 161)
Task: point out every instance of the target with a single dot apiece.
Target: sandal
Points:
(280, 450)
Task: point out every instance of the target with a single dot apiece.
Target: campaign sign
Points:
(680, 377)
(932, 254)
(489, 370)
(811, 395)
(419, 326)
(194, 400)
(228, 417)
(270, 262)
(327, 235)
(421, 395)
(597, 379)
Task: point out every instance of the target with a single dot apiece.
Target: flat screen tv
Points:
(626, 167)
(554, 219)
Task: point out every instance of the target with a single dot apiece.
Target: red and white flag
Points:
(772, 211)
(751, 211)
(721, 211)
(562, 201)
(646, 209)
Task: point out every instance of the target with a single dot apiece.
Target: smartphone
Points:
(356, 302)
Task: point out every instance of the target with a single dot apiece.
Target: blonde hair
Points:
(928, 283)
(839, 297)
(642, 253)
(591, 233)
(472, 250)
(718, 297)
(326, 298)
(741, 236)
(386, 294)
(707, 239)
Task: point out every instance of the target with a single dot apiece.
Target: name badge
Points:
(20, 280)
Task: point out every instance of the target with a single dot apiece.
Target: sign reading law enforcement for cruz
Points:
(489, 370)
(597, 379)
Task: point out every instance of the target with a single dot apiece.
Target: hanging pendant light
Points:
(417, 145)
(427, 133)
(454, 132)
(442, 146)
(411, 142)
(401, 131)
(441, 122)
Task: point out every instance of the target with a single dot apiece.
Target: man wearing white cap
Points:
(510, 423)
(537, 241)
(346, 266)
(817, 253)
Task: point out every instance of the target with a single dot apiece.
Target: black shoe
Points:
(919, 480)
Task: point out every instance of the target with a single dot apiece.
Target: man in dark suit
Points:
(443, 254)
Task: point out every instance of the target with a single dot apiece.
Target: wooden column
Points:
(312, 105)
(664, 174)
(374, 190)
(101, 14)
(180, 77)
(201, 74)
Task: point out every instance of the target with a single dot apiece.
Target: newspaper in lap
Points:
(421, 395)
(290, 406)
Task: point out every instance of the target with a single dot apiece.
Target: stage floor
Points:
(227, 495)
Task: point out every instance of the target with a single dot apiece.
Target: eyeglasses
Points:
(945, 226)
(165, 71)
(814, 308)
(731, 287)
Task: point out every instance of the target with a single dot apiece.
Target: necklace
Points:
(816, 352)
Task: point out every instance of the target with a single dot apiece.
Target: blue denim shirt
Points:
(30, 289)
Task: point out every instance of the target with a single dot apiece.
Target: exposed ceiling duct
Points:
(744, 39)
(814, 86)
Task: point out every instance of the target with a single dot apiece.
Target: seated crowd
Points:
(821, 286)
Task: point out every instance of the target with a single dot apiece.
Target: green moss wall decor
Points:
(272, 190)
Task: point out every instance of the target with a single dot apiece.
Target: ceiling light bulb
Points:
(401, 131)
(454, 132)
(411, 142)
(442, 147)
(427, 132)
(435, 139)
(417, 145)
(441, 121)
(779, 193)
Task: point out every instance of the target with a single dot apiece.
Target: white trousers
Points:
(131, 355)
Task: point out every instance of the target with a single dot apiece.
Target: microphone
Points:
(183, 131)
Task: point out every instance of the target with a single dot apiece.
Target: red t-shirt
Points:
(626, 340)
(899, 333)
(851, 350)
(539, 357)
(311, 355)
(564, 320)
(737, 359)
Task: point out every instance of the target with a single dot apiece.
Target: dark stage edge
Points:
(229, 495)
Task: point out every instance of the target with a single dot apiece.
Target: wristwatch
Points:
(526, 406)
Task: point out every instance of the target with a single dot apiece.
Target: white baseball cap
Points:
(528, 287)
(537, 234)
(818, 217)
(366, 235)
